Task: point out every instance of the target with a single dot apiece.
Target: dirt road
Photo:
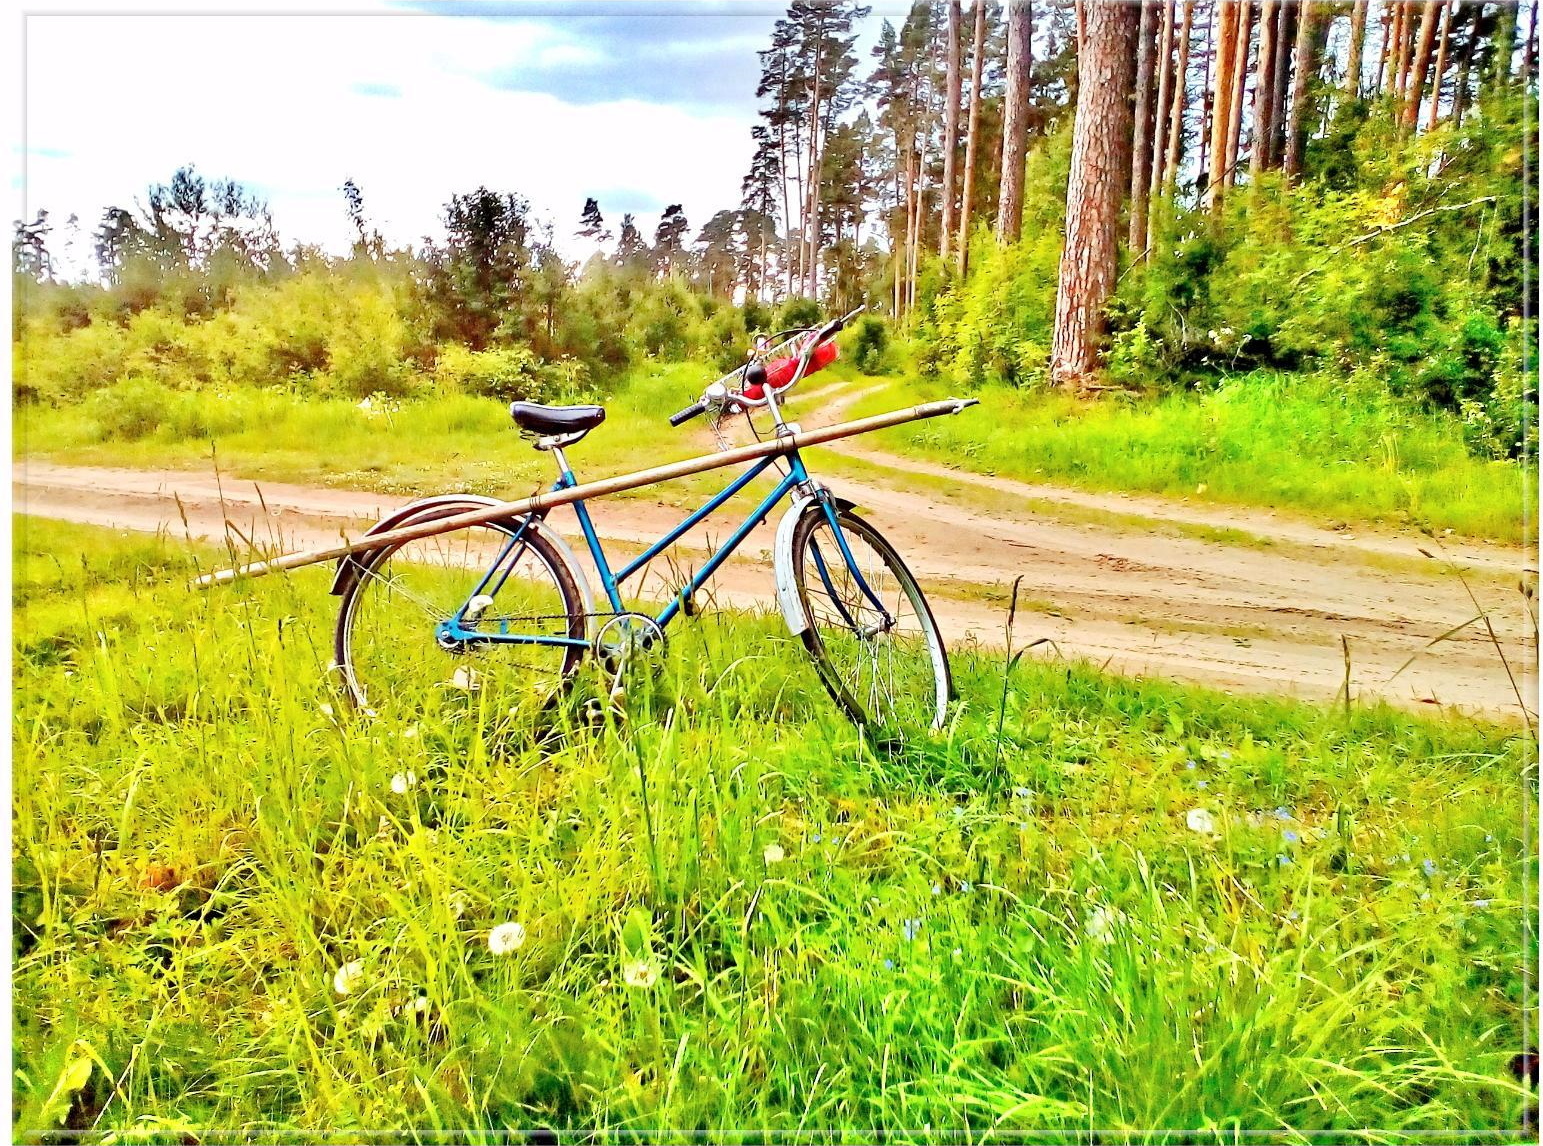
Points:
(1240, 599)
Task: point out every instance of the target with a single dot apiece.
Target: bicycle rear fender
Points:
(782, 558)
(428, 508)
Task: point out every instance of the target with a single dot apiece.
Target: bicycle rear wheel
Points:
(393, 651)
(885, 667)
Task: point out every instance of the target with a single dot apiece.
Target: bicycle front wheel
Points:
(429, 622)
(873, 638)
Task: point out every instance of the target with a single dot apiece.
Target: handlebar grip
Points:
(688, 413)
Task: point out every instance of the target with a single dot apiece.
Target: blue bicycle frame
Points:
(454, 630)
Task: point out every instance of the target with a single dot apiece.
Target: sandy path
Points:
(1265, 616)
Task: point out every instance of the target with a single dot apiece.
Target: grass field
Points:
(1320, 449)
(1315, 445)
(1094, 907)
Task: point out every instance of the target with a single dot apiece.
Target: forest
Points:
(1116, 201)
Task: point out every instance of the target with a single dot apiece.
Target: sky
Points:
(638, 103)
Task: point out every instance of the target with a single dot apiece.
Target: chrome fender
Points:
(782, 558)
(425, 509)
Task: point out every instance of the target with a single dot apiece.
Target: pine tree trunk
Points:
(1357, 49)
(1090, 257)
(1221, 89)
(1441, 62)
(1306, 71)
(1245, 29)
(950, 128)
(1164, 99)
(1404, 46)
(1015, 119)
(1141, 151)
(1421, 67)
(1285, 43)
(812, 210)
(1176, 112)
(1264, 91)
(1460, 92)
(970, 147)
(1384, 53)
(1207, 108)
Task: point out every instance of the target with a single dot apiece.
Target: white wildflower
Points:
(640, 973)
(774, 854)
(348, 977)
(1099, 926)
(465, 679)
(403, 782)
(1200, 820)
(506, 938)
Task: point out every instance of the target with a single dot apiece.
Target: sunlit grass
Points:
(735, 917)
(1304, 443)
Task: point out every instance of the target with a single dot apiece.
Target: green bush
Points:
(870, 345)
(799, 312)
(131, 409)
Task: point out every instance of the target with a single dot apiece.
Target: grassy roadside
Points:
(1305, 447)
(1129, 905)
(1297, 444)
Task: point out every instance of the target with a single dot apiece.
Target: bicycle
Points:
(508, 604)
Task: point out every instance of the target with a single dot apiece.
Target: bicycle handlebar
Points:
(691, 411)
(823, 334)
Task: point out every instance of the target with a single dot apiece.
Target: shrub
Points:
(131, 409)
(799, 312)
(870, 345)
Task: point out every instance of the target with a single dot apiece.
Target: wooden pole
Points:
(552, 498)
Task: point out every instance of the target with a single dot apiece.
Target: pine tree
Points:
(1015, 120)
(1099, 176)
(592, 223)
(670, 240)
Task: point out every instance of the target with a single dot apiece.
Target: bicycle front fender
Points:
(782, 558)
(443, 505)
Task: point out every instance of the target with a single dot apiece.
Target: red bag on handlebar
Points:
(779, 371)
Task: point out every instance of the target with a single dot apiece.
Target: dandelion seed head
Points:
(640, 973)
(774, 854)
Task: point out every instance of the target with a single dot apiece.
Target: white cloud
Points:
(282, 103)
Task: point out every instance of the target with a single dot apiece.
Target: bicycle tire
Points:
(897, 679)
(385, 648)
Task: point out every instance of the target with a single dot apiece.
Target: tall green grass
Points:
(1107, 908)
(1342, 451)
